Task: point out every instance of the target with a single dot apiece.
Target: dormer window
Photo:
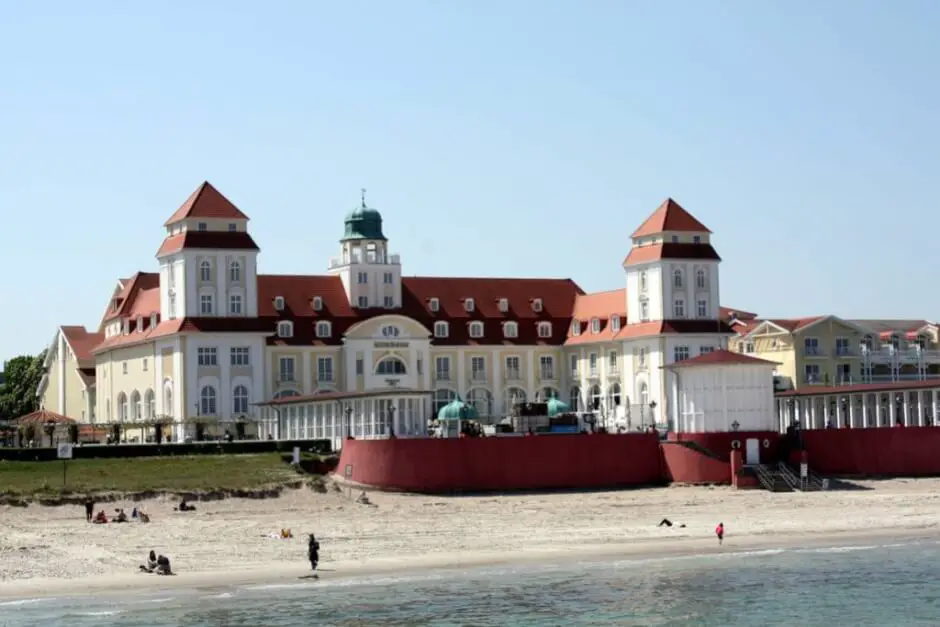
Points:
(536, 305)
(285, 328)
(324, 329)
(434, 304)
(468, 305)
(279, 303)
(545, 329)
(441, 329)
(511, 330)
(575, 327)
(140, 324)
(202, 226)
(153, 320)
(317, 303)
(503, 305)
(232, 227)
(615, 323)
(476, 330)
(595, 325)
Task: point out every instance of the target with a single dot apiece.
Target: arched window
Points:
(205, 270)
(285, 328)
(207, 401)
(442, 397)
(700, 278)
(644, 395)
(150, 405)
(287, 394)
(476, 330)
(545, 329)
(391, 365)
(482, 400)
(137, 408)
(168, 398)
(390, 330)
(324, 329)
(235, 272)
(595, 397)
(240, 400)
(574, 399)
(677, 278)
(123, 413)
(613, 396)
(511, 330)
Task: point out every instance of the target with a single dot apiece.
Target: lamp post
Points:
(349, 412)
(653, 414)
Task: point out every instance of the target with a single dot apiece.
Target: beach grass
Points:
(146, 474)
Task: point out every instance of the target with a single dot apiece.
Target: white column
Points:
(933, 414)
(221, 273)
(920, 408)
(530, 375)
(225, 381)
(907, 408)
(814, 402)
(497, 384)
(852, 399)
(865, 411)
(826, 415)
(462, 374)
(878, 410)
(158, 382)
(892, 410)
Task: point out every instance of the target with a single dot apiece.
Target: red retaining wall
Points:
(720, 443)
(504, 464)
(907, 451)
(686, 465)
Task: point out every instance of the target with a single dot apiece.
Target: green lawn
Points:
(203, 472)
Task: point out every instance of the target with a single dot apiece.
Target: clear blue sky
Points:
(520, 138)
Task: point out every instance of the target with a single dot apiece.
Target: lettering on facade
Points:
(391, 382)
(391, 345)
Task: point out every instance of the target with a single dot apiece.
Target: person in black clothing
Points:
(313, 552)
(89, 509)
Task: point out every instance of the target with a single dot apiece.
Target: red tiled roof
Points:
(744, 327)
(670, 216)
(862, 388)
(206, 202)
(730, 312)
(220, 240)
(722, 358)
(82, 342)
(656, 252)
(606, 307)
(124, 303)
(42, 417)
(644, 329)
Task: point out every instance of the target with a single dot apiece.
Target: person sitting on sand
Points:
(121, 516)
(100, 518)
(163, 565)
(313, 552)
(185, 507)
(151, 564)
(143, 516)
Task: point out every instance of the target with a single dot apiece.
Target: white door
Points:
(752, 452)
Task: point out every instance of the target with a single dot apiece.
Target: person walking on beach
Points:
(313, 552)
(720, 532)
(89, 509)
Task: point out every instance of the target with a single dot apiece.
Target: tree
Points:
(21, 378)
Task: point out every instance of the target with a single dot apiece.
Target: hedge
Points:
(110, 451)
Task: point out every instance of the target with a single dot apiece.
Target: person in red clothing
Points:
(720, 532)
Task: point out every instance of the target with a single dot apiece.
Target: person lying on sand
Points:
(151, 564)
(665, 522)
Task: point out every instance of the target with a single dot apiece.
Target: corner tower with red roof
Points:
(208, 261)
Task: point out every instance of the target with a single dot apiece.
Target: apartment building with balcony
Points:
(831, 351)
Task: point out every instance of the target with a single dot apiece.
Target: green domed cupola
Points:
(363, 222)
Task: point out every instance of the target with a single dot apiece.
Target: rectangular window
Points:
(325, 369)
(547, 367)
(843, 374)
(360, 367)
(512, 368)
(235, 304)
(124, 367)
(389, 302)
(704, 350)
(574, 365)
(363, 301)
(145, 364)
(419, 366)
(592, 364)
(363, 278)
(285, 369)
(202, 226)
(612, 361)
(478, 368)
(749, 348)
(842, 346)
(388, 278)
(232, 227)
(811, 373)
(642, 358)
(440, 329)
(205, 304)
(240, 356)
(702, 309)
(811, 346)
(680, 353)
(644, 311)
(172, 307)
(442, 368)
(208, 356)
(678, 308)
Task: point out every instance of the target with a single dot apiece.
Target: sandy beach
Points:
(52, 550)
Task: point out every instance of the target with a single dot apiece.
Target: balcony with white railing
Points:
(815, 352)
(372, 260)
(910, 355)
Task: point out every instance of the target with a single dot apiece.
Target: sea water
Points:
(880, 584)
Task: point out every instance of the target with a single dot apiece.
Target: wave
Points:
(20, 602)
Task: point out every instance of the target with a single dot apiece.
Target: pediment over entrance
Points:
(391, 327)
